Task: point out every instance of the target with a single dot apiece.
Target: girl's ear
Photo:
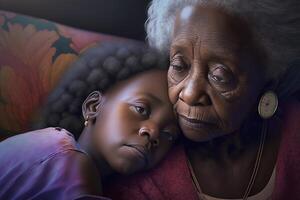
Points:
(91, 105)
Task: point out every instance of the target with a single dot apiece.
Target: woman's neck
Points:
(86, 143)
(224, 166)
(223, 150)
(230, 146)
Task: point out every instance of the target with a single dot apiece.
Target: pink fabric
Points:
(45, 164)
(172, 179)
(287, 185)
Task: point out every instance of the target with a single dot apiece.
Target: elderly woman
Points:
(230, 84)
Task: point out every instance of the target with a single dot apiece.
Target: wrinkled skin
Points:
(215, 74)
(216, 77)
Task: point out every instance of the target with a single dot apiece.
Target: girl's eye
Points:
(141, 110)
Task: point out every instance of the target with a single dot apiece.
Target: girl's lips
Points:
(195, 123)
(139, 151)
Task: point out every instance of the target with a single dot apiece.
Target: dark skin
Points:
(132, 126)
(215, 80)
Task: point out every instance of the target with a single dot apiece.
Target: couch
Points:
(34, 54)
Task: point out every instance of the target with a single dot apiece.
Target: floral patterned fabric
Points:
(34, 53)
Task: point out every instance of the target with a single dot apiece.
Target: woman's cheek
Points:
(174, 89)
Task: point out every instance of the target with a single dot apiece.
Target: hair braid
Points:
(98, 68)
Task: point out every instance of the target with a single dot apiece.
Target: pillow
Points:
(34, 55)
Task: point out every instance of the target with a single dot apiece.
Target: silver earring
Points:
(268, 104)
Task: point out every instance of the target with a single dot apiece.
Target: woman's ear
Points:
(91, 105)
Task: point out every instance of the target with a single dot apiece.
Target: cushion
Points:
(34, 55)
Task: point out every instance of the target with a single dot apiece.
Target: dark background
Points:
(123, 18)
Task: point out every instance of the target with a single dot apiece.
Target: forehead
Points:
(211, 27)
(151, 83)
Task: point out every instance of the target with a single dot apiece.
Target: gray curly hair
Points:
(275, 25)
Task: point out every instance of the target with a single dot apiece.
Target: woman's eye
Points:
(220, 75)
(217, 78)
(221, 78)
(178, 64)
(178, 69)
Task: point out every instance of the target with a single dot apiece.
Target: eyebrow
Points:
(180, 46)
(228, 53)
(223, 54)
(223, 47)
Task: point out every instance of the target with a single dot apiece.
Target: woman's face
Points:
(136, 125)
(215, 75)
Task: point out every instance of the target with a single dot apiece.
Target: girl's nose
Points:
(152, 133)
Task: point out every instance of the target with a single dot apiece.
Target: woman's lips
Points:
(194, 123)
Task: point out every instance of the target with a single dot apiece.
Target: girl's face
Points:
(136, 125)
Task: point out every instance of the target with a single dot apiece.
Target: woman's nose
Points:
(194, 93)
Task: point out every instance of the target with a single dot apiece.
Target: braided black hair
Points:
(97, 68)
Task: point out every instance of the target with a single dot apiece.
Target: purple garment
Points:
(46, 164)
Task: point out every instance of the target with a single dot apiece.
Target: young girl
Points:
(129, 126)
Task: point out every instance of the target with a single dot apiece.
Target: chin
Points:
(125, 171)
(127, 168)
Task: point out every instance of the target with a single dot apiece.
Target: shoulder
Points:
(69, 174)
(73, 174)
(35, 146)
(288, 159)
(289, 152)
(291, 108)
(43, 138)
(291, 120)
(66, 174)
